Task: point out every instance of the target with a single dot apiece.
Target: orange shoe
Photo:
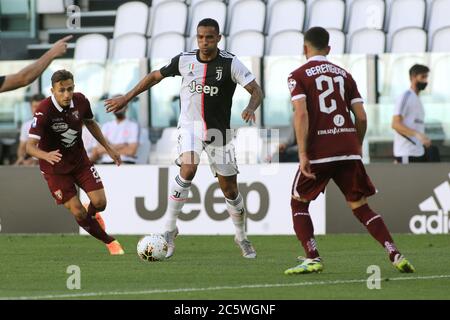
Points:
(115, 248)
(100, 221)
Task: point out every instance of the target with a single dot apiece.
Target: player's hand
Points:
(60, 47)
(305, 166)
(248, 115)
(423, 139)
(115, 156)
(115, 104)
(53, 157)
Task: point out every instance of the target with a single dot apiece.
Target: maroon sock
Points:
(91, 225)
(376, 227)
(304, 228)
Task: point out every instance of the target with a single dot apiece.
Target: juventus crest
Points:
(219, 72)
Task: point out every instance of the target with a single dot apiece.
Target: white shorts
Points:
(222, 159)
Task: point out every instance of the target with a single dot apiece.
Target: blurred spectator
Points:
(288, 151)
(123, 135)
(410, 140)
(23, 159)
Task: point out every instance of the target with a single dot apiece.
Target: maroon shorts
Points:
(62, 186)
(349, 175)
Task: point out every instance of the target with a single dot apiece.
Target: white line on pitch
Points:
(248, 286)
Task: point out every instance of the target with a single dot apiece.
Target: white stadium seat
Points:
(286, 15)
(415, 16)
(214, 9)
(441, 40)
(169, 16)
(131, 17)
(247, 43)
(166, 147)
(439, 15)
(409, 40)
(337, 41)
(143, 151)
(192, 43)
(366, 14)
(367, 41)
(91, 47)
(166, 45)
(50, 6)
(240, 19)
(129, 46)
(327, 14)
(285, 43)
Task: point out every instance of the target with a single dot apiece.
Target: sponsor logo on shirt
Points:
(70, 137)
(60, 127)
(339, 120)
(34, 123)
(76, 114)
(199, 88)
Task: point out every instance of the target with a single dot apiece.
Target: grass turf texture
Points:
(35, 267)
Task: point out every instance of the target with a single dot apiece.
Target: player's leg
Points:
(236, 210)
(303, 191)
(356, 186)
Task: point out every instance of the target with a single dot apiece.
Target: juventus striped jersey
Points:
(207, 90)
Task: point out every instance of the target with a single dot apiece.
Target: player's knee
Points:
(299, 205)
(99, 204)
(230, 192)
(79, 212)
(188, 171)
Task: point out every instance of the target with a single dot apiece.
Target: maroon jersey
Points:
(58, 128)
(329, 91)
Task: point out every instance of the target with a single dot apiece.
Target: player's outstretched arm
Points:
(96, 132)
(33, 150)
(117, 103)
(301, 126)
(360, 120)
(255, 101)
(30, 73)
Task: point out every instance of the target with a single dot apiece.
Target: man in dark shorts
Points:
(55, 139)
(330, 147)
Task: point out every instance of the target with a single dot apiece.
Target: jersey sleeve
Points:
(296, 87)
(172, 68)
(240, 74)
(38, 125)
(353, 93)
(401, 105)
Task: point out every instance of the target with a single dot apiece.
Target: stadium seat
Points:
(240, 16)
(367, 41)
(166, 45)
(50, 6)
(328, 14)
(91, 46)
(247, 43)
(143, 151)
(365, 14)
(191, 43)
(248, 145)
(169, 16)
(129, 46)
(277, 44)
(166, 150)
(409, 40)
(441, 40)
(286, 15)
(138, 12)
(214, 9)
(439, 15)
(398, 19)
(337, 41)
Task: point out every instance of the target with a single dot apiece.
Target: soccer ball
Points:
(152, 247)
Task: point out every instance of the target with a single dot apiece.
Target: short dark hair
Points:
(318, 37)
(61, 75)
(208, 22)
(418, 69)
(37, 97)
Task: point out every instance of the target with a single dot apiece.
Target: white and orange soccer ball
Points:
(152, 247)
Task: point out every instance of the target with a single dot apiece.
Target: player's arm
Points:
(256, 98)
(30, 73)
(33, 150)
(21, 152)
(358, 111)
(301, 126)
(402, 129)
(117, 103)
(96, 132)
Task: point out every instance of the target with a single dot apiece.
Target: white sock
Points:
(179, 192)
(237, 213)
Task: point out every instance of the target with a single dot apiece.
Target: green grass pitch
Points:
(210, 267)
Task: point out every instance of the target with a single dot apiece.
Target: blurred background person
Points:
(23, 159)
